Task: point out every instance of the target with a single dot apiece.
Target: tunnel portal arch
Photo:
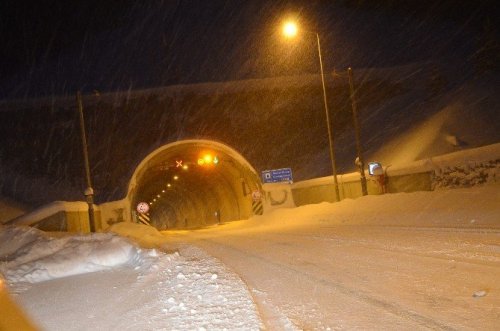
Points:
(182, 193)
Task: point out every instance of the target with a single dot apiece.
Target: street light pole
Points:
(89, 191)
(330, 135)
(290, 30)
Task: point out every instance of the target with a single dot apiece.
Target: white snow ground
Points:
(423, 260)
(104, 282)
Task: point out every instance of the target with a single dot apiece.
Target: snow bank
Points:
(462, 207)
(146, 236)
(29, 255)
(14, 240)
(135, 289)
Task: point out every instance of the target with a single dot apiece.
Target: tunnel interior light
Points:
(175, 178)
(208, 159)
(169, 185)
(163, 191)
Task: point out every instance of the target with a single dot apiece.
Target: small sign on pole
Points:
(256, 195)
(142, 207)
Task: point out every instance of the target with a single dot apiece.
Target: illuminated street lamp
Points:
(290, 30)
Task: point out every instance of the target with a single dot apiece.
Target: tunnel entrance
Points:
(193, 183)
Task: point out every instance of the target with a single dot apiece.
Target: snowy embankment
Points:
(103, 281)
(475, 207)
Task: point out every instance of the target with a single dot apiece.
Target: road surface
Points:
(332, 276)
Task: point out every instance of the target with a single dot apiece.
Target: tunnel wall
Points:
(226, 196)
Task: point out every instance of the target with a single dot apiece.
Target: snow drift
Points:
(30, 255)
(104, 281)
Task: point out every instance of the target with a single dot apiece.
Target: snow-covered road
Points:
(351, 277)
(320, 274)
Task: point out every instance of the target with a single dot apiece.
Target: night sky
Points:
(55, 47)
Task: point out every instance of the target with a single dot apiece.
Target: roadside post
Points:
(142, 213)
(359, 159)
(89, 191)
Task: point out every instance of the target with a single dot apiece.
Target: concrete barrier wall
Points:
(313, 194)
(69, 221)
(277, 195)
(410, 183)
(114, 212)
(323, 189)
(460, 169)
(60, 216)
(79, 221)
(53, 223)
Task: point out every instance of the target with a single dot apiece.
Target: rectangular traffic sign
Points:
(277, 175)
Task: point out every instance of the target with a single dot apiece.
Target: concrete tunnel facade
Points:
(182, 193)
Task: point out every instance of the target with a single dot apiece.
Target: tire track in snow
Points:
(335, 286)
(397, 250)
(424, 228)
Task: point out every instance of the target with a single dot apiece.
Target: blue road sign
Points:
(277, 175)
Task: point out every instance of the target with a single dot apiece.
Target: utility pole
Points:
(89, 191)
(360, 162)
